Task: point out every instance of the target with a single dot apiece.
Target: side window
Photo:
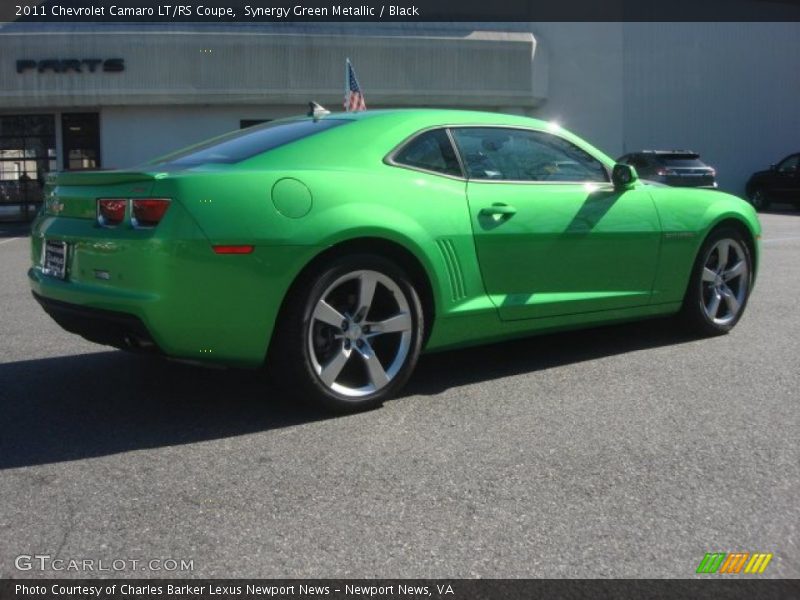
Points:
(524, 155)
(790, 164)
(431, 151)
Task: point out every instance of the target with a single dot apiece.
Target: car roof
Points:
(384, 130)
(442, 116)
(415, 119)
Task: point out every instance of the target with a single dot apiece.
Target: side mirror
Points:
(623, 176)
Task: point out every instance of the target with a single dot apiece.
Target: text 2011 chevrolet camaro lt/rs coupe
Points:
(334, 249)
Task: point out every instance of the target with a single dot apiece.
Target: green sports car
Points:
(334, 249)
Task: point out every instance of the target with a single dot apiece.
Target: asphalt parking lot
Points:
(627, 451)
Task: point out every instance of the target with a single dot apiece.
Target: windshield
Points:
(246, 143)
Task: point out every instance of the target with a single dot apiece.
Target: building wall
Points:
(226, 67)
(727, 90)
(730, 91)
(585, 85)
(576, 81)
(133, 135)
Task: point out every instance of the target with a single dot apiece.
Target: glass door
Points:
(81, 140)
(27, 154)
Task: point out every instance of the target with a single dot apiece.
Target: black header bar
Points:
(268, 11)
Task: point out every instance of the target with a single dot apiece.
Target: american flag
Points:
(353, 96)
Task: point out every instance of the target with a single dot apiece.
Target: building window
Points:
(27, 153)
(81, 140)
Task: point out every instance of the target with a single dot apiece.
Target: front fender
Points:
(687, 217)
(733, 208)
(728, 206)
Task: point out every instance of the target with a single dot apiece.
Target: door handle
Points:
(505, 210)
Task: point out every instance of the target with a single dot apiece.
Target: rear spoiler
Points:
(99, 177)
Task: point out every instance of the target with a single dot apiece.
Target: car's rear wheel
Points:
(720, 283)
(759, 199)
(351, 334)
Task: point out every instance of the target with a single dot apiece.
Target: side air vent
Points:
(448, 250)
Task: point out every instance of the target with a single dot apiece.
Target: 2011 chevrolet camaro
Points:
(336, 248)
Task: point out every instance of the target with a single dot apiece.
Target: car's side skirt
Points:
(475, 329)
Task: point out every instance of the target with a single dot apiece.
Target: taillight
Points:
(110, 211)
(148, 212)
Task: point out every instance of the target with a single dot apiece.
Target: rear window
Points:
(681, 160)
(241, 145)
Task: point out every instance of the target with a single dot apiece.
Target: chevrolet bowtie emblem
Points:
(56, 206)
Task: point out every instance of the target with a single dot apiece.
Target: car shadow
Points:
(91, 405)
(438, 372)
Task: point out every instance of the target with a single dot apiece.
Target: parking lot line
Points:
(9, 240)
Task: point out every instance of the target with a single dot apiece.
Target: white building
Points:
(110, 95)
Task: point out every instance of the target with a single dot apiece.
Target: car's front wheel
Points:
(350, 335)
(759, 199)
(720, 283)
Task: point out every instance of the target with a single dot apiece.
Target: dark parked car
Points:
(679, 168)
(780, 183)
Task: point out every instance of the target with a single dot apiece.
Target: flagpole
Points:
(346, 82)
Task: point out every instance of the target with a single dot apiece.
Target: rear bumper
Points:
(107, 327)
(165, 290)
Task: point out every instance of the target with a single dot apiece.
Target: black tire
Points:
(700, 294)
(759, 199)
(301, 342)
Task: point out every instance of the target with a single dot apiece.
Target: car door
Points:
(786, 179)
(553, 237)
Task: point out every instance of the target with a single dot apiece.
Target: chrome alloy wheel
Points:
(360, 333)
(725, 281)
